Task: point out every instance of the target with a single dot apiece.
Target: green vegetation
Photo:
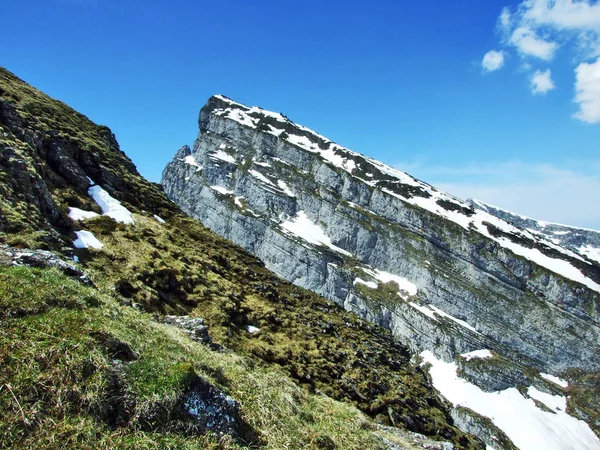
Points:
(583, 401)
(63, 386)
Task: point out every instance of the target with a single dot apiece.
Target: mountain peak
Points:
(444, 275)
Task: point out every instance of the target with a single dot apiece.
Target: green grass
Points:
(59, 390)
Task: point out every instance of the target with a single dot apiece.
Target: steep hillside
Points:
(443, 276)
(103, 366)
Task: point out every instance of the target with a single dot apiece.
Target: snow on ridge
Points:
(542, 223)
(110, 206)
(528, 426)
(86, 239)
(243, 114)
(476, 221)
(312, 233)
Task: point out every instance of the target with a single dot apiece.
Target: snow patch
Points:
(369, 284)
(222, 190)
(385, 277)
(80, 214)
(252, 329)
(159, 219)
(529, 427)
(285, 188)
(592, 253)
(260, 176)
(192, 162)
(454, 319)
(559, 381)
(553, 402)
(428, 312)
(110, 206)
(223, 156)
(304, 228)
(85, 239)
(238, 201)
(477, 354)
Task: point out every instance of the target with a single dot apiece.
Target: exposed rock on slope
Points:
(440, 274)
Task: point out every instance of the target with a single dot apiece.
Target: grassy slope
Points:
(58, 388)
(176, 267)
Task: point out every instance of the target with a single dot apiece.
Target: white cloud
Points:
(492, 60)
(581, 16)
(541, 191)
(541, 82)
(528, 43)
(505, 18)
(537, 29)
(587, 92)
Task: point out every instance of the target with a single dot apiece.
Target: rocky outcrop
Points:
(40, 259)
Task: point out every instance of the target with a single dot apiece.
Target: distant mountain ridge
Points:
(442, 275)
(585, 242)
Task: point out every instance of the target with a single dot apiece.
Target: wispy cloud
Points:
(541, 82)
(541, 191)
(528, 43)
(492, 60)
(538, 30)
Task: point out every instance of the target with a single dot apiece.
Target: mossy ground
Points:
(58, 382)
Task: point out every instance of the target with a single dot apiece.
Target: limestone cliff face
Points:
(441, 274)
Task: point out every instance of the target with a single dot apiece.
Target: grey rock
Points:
(468, 420)
(41, 259)
(193, 326)
(515, 305)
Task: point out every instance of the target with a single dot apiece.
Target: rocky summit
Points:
(505, 316)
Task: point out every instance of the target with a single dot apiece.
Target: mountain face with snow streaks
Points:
(444, 275)
(582, 241)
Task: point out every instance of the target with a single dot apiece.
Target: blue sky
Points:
(496, 100)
